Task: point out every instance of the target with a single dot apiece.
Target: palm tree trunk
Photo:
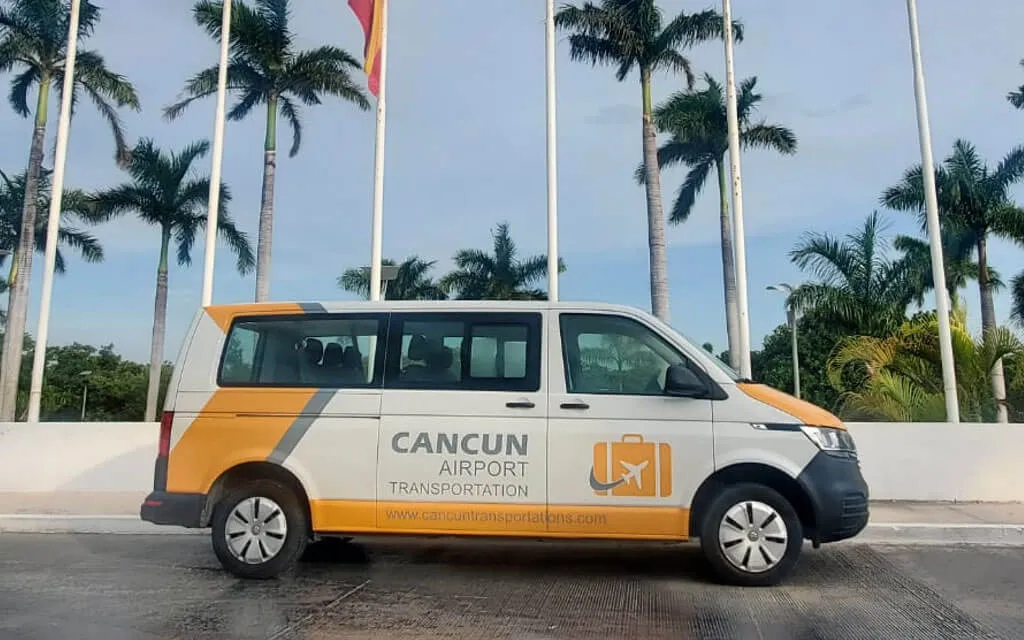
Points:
(156, 350)
(17, 305)
(655, 216)
(267, 205)
(732, 306)
(988, 323)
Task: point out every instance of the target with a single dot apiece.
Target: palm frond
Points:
(1017, 293)
(291, 114)
(687, 30)
(769, 136)
(1010, 169)
(686, 197)
(19, 90)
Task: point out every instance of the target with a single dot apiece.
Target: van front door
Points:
(463, 440)
(626, 459)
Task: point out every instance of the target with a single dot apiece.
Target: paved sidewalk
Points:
(891, 522)
(945, 523)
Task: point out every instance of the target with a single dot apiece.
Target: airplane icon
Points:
(633, 472)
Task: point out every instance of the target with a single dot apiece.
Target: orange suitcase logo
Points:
(632, 467)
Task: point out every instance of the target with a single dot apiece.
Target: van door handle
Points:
(575, 405)
(521, 404)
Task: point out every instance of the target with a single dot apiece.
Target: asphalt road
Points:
(113, 587)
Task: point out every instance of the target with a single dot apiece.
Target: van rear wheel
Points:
(751, 535)
(260, 530)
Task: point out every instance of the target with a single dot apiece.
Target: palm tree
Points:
(165, 193)
(1016, 98)
(498, 276)
(1017, 287)
(699, 139)
(975, 201)
(860, 287)
(957, 249)
(631, 34)
(899, 377)
(411, 282)
(33, 42)
(267, 69)
(74, 205)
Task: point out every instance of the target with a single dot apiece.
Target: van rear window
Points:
(306, 351)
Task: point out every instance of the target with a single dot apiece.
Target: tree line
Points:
(270, 75)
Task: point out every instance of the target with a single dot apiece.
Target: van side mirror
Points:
(681, 381)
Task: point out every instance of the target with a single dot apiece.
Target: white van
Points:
(285, 423)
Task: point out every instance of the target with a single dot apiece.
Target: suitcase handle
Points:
(632, 437)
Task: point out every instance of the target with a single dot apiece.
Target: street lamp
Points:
(387, 274)
(791, 319)
(85, 389)
(934, 232)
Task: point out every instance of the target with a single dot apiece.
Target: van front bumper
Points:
(839, 496)
(178, 509)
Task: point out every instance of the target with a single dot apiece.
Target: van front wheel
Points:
(259, 530)
(751, 535)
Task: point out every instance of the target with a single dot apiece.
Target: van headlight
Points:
(832, 441)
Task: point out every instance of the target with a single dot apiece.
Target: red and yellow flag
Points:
(369, 14)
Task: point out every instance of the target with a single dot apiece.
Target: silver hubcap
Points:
(753, 536)
(256, 530)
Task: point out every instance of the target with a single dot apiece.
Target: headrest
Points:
(441, 357)
(351, 359)
(313, 349)
(334, 354)
(419, 348)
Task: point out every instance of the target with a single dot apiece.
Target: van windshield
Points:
(733, 374)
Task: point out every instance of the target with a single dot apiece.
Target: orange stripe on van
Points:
(806, 412)
(235, 426)
(223, 314)
(487, 519)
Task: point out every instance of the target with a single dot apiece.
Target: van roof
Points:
(412, 305)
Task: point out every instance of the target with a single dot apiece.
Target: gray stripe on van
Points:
(312, 307)
(313, 409)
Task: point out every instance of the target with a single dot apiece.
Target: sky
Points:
(466, 150)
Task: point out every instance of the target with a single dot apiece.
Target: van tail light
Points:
(166, 420)
(162, 452)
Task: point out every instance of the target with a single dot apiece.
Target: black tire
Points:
(295, 539)
(724, 570)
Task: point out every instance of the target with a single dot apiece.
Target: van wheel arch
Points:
(751, 472)
(248, 472)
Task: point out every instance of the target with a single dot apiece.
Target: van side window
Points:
(306, 351)
(607, 354)
(497, 352)
(239, 355)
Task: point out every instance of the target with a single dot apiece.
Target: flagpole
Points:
(213, 204)
(739, 238)
(552, 155)
(377, 225)
(932, 215)
(53, 228)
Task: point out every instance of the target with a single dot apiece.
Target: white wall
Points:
(939, 461)
(76, 456)
(968, 462)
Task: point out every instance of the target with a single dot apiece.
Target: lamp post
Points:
(932, 217)
(739, 237)
(791, 319)
(85, 390)
(387, 274)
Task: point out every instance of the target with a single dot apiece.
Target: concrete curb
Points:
(892, 533)
(103, 524)
(924, 533)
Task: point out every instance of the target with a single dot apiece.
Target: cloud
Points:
(844, 106)
(617, 114)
